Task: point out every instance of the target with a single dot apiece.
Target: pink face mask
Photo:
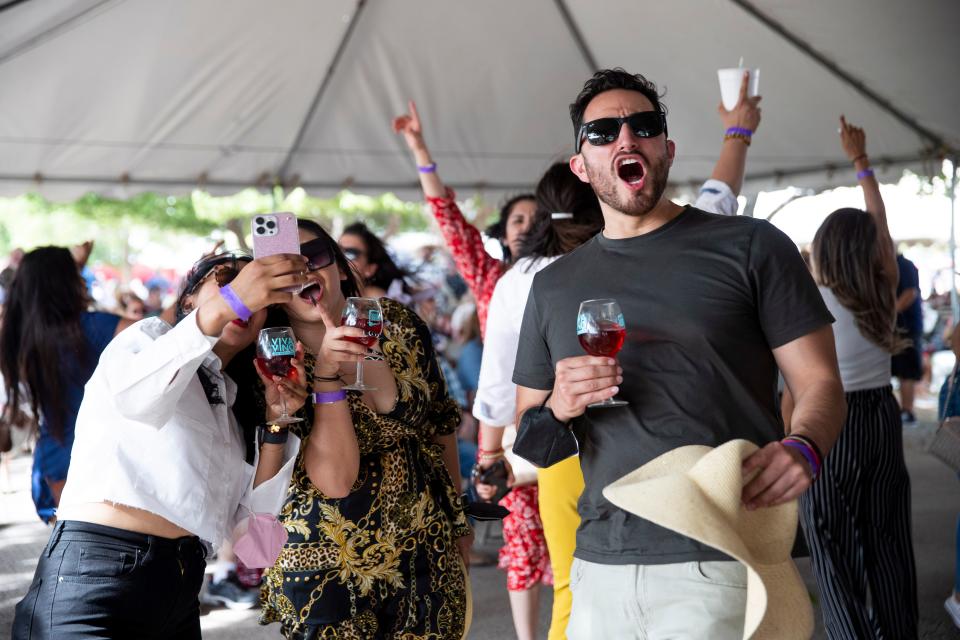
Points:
(258, 540)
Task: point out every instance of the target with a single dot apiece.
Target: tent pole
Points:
(577, 36)
(952, 194)
(324, 83)
(848, 78)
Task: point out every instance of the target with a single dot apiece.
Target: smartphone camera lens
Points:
(261, 231)
(271, 224)
(258, 220)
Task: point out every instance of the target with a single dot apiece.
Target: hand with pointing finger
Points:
(409, 125)
(335, 348)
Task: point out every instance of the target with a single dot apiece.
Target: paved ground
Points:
(936, 503)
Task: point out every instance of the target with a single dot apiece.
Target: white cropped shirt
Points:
(863, 364)
(146, 436)
(496, 399)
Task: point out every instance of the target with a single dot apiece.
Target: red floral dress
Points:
(478, 268)
(524, 553)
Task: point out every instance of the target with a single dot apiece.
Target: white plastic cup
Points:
(730, 80)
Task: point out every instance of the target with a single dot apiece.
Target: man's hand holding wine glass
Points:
(582, 381)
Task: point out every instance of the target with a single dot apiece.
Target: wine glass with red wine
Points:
(601, 331)
(366, 314)
(276, 347)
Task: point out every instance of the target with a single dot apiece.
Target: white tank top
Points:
(863, 364)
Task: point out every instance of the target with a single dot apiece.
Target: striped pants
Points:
(856, 518)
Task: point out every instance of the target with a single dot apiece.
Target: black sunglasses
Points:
(643, 124)
(318, 252)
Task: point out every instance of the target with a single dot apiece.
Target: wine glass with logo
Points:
(366, 314)
(276, 347)
(601, 331)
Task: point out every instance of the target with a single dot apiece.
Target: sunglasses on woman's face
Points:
(643, 124)
(318, 252)
(352, 254)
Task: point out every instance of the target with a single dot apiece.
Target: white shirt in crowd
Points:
(146, 436)
(863, 364)
(496, 399)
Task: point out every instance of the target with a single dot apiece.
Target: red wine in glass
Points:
(278, 366)
(276, 347)
(366, 314)
(601, 331)
(606, 342)
(373, 330)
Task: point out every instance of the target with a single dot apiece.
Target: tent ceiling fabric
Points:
(121, 96)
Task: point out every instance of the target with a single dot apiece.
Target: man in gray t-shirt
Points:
(713, 307)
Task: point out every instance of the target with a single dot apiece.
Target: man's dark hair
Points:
(606, 80)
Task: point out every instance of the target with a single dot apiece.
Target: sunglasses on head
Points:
(224, 273)
(643, 124)
(318, 252)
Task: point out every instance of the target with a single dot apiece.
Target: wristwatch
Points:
(272, 433)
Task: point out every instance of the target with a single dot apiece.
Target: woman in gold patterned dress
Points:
(376, 527)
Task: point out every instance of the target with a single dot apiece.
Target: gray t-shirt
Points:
(705, 299)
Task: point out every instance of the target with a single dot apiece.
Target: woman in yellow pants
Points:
(560, 488)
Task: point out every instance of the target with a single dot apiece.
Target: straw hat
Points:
(695, 491)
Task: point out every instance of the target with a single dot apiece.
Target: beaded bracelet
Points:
(741, 130)
(866, 173)
(428, 168)
(745, 139)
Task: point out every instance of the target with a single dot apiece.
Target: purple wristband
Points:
(428, 168)
(235, 302)
(866, 173)
(807, 453)
(732, 131)
(329, 397)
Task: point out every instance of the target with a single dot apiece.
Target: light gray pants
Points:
(657, 602)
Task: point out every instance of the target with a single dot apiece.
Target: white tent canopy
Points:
(121, 96)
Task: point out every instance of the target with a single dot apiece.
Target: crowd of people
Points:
(164, 438)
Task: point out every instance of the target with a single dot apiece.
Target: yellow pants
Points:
(560, 488)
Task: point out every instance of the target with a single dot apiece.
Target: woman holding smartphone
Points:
(377, 529)
(158, 477)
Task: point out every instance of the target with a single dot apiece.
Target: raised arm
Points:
(732, 162)
(147, 376)
(854, 143)
(478, 268)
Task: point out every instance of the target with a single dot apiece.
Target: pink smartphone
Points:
(275, 233)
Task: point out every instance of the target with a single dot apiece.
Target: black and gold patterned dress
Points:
(383, 561)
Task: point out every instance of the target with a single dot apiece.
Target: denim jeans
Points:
(94, 581)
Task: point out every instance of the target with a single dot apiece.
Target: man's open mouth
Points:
(631, 171)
